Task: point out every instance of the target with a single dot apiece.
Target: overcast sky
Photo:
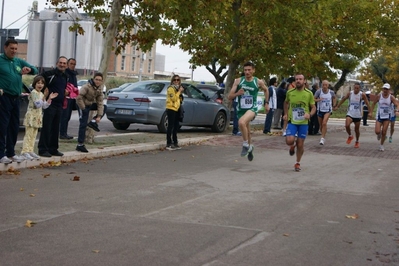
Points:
(176, 60)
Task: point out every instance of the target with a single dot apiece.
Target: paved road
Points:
(205, 205)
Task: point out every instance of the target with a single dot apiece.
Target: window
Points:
(149, 65)
(133, 63)
(123, 62)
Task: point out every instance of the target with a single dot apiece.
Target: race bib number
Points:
(354, 107)
(384, 112)
(325, 105)
(298, 114)
(246, 101)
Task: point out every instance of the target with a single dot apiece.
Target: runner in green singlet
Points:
(246, 89)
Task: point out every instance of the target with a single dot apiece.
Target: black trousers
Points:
(173, 126)
(313, 125)
(48, 141)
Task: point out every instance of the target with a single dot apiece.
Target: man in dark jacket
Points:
(56, 81)
(71, 102)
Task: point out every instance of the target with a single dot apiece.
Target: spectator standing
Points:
(365, 109)
(90, 98)
(272, 104)
(278, 112)
(298, 108)
(393, 119)
(70, 98)
(173, 102)
(246, 90)
(56, 81)
(33, 117)
(314, 126)
(11, 71)
(290, 86)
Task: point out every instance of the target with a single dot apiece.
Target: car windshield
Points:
(124, 86)
(145, 87)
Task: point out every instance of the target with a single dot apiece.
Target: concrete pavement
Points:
(205, 205)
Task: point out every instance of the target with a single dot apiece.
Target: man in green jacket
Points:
(11, 71)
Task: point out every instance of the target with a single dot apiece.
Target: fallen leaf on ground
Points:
(95, 251)
(29, 223)
(21, 189)
(32, 195)
(46, 175)
(286, 234)
(76, 178)
(354, 216)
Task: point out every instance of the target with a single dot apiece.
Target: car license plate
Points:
(124, 112)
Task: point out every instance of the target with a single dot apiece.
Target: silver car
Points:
(144, 103)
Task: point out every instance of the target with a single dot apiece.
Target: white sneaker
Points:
(5, 160)
(18, 159)
(381, 148)
(322, 141)
(27, 156)
(284, 134)
(34, 155)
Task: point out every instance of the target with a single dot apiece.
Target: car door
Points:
(203, 112)
(188, 106)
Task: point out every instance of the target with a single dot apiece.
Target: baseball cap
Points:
(386, 86)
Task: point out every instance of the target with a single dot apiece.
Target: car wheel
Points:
(120, 126)
(163, 125)
(219, 125)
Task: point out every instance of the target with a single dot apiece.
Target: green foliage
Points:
(279, 36)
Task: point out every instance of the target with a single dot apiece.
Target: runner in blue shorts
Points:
(299, 106)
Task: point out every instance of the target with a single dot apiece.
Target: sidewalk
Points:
(117, 144)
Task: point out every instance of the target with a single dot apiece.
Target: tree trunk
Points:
(110, 34)
(341, 80)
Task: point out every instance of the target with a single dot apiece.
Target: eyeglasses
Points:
(176, 79)
(98, 80)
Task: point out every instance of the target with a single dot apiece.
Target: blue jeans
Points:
(9, 124)
(235, 118)
(268, 121)
(83, 117)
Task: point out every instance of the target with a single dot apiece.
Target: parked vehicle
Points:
(118, 89)
(144, 103)
(214, 92)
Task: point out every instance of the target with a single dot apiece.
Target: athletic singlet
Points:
(384, 107)
(299, 105)
(325, 103)
(355, 101)
(247, 101)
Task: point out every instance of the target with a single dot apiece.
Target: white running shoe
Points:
(381, 148)
(5, 160)
(18, 159)
(27, 156)
(284, 134)
(34, 155)
(322, 141)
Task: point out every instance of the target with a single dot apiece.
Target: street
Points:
(205, 205)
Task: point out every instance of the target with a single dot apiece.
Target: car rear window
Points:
(149, 87)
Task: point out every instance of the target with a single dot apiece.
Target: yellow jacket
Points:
(172, 99)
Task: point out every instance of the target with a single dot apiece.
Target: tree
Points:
(383, 67)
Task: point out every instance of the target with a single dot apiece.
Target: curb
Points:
(73, 156)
